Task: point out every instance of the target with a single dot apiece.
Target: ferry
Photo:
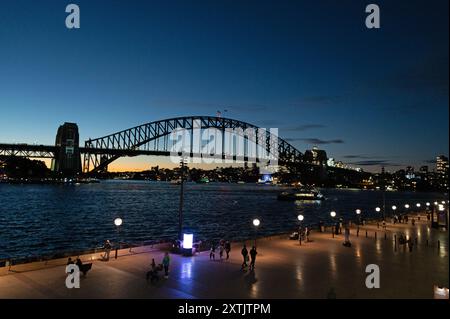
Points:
(301, 194)
(175, 181)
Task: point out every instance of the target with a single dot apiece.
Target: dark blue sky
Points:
(310, 68)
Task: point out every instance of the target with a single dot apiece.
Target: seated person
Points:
(84, 268)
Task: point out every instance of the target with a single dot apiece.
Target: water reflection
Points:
(186, 270)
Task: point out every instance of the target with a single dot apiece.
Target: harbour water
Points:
(37, 220)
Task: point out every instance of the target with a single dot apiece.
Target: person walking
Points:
(221, 249)
(244, 253)
(166, 264)
(107, 248)
(347, 236)
(227, 249)
(212, 252)
(253, 254)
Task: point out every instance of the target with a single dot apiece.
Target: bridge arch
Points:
(100, 152)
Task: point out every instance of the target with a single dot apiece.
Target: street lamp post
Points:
(180, 211)
(256, 223)
(300, 219)
(358, 213)
(118, 222)
(394, 208)
(333, 228)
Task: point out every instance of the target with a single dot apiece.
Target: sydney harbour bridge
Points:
(153, 138)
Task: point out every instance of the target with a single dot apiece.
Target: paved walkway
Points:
(283, 270)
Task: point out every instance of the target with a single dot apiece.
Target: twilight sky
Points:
(310, 68)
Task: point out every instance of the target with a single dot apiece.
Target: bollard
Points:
(366, 233)
(117, 250)
(439, 244)
(378, 225)
(427, 242)
(357, 232)
(385, 236)
(395, 242)
(415, 240)
(375, 235)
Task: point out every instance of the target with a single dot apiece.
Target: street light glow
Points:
(300, 217)
(441, 208)
(428, 204)
(394, 207)
(256, 222)
(406, 206)
(333, 214)
(378, 209)
(118, 221)
(358, 211)
(435, 203)
(418, 204)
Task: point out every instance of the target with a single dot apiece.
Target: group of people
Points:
(224, 246)
(404, 240)
(155, 269)
(245, 255)
(400, 219)
(84, 268)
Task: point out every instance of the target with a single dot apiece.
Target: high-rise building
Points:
(409, 174)
(67, 160)
(442, 171)
(316, 156)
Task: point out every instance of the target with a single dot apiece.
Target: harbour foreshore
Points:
(285, 268)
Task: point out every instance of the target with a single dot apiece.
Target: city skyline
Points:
(370, 98)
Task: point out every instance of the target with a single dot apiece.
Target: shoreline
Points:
(8, 266)
(308, 270)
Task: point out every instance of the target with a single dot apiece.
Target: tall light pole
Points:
(358, 213)
(118, 222)
(333, 229)
(183, 162)
(256, 223)
(300, 219)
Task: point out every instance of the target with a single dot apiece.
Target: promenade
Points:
(284, 269)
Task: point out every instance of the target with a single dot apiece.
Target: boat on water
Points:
(301, 194)
(203, 180)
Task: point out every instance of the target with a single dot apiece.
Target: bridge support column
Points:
(67, 161)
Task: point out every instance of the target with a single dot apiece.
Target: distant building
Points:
(316, 156)
(442, 171)
(424, 169)
(339, 164)
(409, 174)
(331, 162)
